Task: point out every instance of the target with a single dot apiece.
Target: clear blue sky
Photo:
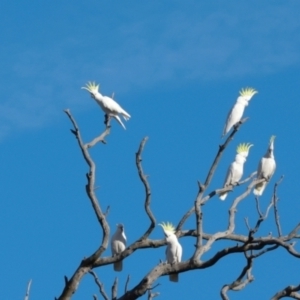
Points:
(176, 67)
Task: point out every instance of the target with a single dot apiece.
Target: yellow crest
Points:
(92, 87)
(243, 148)
(248, 92)
(167, 227)
(272, 138)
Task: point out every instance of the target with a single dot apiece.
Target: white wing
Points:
(233, 117)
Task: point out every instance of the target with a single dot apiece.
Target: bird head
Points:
(120, 227)
(247, 93)
(92, 87)
(168, 228)
(271, 145)
(243, 149)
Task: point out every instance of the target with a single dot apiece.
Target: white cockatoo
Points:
(236, 113)
(236, 169)
(266, 168)
(118, 245)
(174, 249)
(108, 105)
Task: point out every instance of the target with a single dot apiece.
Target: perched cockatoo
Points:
(118, 245)
(236, 169)
(174, 249)
(108, 105)
(266, 168)
(236, 113)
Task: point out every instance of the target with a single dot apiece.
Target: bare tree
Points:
(250, 245)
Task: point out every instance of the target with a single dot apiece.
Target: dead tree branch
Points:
(143, 177)
(239, 283)
(275, 200)
(114, 290)
(210, 175)
(100, 285)
(87, 263)
(290, 291)
(126, 284)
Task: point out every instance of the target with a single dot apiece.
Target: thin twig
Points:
(239, 283)
(275, 200)
(143, 177)
(257, 207)
(262, 216)
(99, 284)
(127, 282)
(114, 289)
(101, 137)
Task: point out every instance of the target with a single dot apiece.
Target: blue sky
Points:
(176, 67)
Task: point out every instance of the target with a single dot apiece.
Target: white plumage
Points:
(266, 168)
(236, 169)
(108, 105)
(118, 245)
(237, 111)
(173, 250)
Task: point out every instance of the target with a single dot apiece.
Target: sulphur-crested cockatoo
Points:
(266, 168)
(236, 169)
(174, 249)
(118, 245)
(109, 106)
(237, 110)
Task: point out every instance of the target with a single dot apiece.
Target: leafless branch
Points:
(265, 251)
(102, 136)
(262, 216)
(289, 291)
(210, 174)
(99, 284)
(247, 223)
(239, 283)
(114, 289)
(87, 263)
(249, 243)
(275, 200)
(28, 290)
(95, 297)
(258, 208)
(126, 284)
(145, 182)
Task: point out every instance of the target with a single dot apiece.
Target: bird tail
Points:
(119, 120)
(125, 115)
(223, 196)
(118, 266)
(174, 277)
(259, 189)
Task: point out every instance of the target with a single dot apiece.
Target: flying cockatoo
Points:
(118, 245)
(108, 105)
(237, 110)
(236, 169)
(174, 249)
(266, 168)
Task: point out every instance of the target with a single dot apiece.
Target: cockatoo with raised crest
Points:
(118, 245)
(266, 168)
(108, 105)
(174, 249)
(236, 113)
(236, 169)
